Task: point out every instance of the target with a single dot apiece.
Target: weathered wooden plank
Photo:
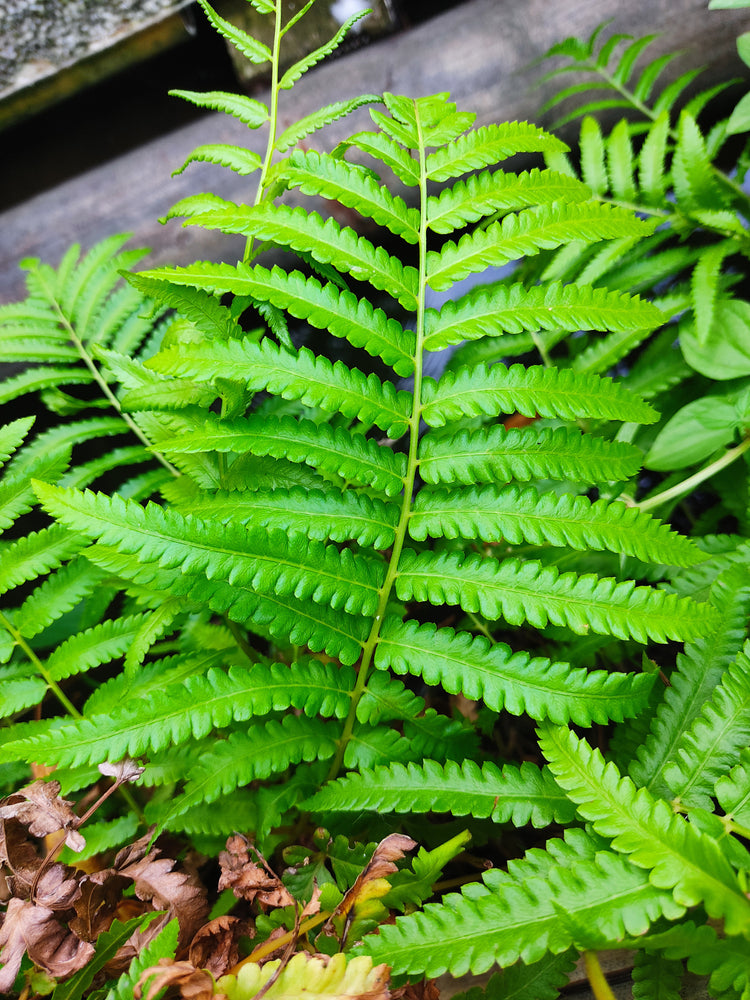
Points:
(481, 52)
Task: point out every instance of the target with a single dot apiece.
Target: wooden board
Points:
(481, 52)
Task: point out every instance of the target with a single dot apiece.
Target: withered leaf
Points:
(34, 929)
(57, 888)
(124, 770)
(427, 989)
(20, 855)
(180, 893)
(249, 880)
(40, 808)
(216, 945)
(193, 984)
(390, 849)
(101, 893)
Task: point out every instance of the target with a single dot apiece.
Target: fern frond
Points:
(604, 354)
(352, 456)
(250, 112)
(486, 146)
(699, 670)
(330, 177)
(510, 794)
(653, 836)
(270, 562)
(20, 688)
(522, 919)
(313, 58)
(318, 119)
(548, 392)
(717, 735)
(16, 494)
(484, 193)
(301, 375)
(35, 554)
(262, 750)
(334, 516)
(241, 161)
(526, 234)
(656, 977)
(337, 977)
(57, 595)
(325, 307)
(12, 436)
(496, 455)
(326, 241)
(496, 513)
(732, 790)
(529, 591)
(388, 152)
(88, 649)
(692, 173)
(516, 682)
(502, 309)
(542, 980)
(250, 47)
(191, 710)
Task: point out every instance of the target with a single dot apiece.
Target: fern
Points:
(264, 540)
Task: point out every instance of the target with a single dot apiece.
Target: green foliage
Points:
(266, 539)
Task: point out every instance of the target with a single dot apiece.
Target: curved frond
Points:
(330, 516)
(300, 374)
(318, 119)
(326, 241)
(530, 591)
(107, 641)
(510, 794)
(250, 112)
(486, 146)
(510, 309)
(331, 177)
(270, 561)
(12, 436)
(526, 234)
(388, 152)
(351, 456)
(313, 58)
(532, 391)
(250, 47)
(653, 836)
(513, 514)
(469, 665)
(191, 710)
(320, 977)
(496, 455)
(241, 161)
(36, 554)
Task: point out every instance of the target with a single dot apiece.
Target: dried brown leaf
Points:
(35, 930)
(57, 887)
(124, 770)
(193, 984)
(101, 893)
(249, 880)
(216, 945)
(40, 808)
(181, 894)
(390, 849)
(427, 989)
(20, 856)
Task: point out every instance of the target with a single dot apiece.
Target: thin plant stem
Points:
(267, 947)
(679, 489)
(599, 985)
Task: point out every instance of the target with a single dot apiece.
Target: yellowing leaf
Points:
(320, 976)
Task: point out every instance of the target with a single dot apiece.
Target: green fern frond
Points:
(692, 173)
(715, 738)
(262, 750)
(241, 161)
(325, 307)
(516, 682)
(509, 309)
(271, 562)
(496, 455)
(250, 47)
(58, 594)
(484, 193)
(335, 450)
(327, 516)
(510, 794)
(20, 688)
(529, 591)
(699, 670)
(732, 791)
(326, 241)
(107, 641)
(191, 710)
(495, 513)
(12, 436)
(548, 392)
(301, 375)
(330, 177)
(656, 977)
(527, 233)
(298, 130)
(654, 837)
(313, 58)
(388, 152)
(488, 145)
(36, 554)
(521, 919)
(250, 112)
(542, 980)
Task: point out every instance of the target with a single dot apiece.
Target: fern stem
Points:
(409, 476)
(729, 456)
(599, 985)
(278, 33)
(101, 381)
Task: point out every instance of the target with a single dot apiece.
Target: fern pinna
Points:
(317, 531)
